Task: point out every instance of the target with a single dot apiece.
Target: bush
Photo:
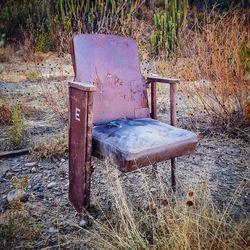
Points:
(168, 221)
(209, 62)
(18, 130)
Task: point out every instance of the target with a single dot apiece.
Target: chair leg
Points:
(87, 185)
(154, 168)
(173, 171)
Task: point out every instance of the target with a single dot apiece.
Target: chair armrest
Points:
(173, 83)
(152, 79)
(82, 86)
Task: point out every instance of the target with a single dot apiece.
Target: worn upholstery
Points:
(140, 142)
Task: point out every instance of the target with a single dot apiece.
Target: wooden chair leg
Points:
(154, 168)
(87, 186)
(173, 172)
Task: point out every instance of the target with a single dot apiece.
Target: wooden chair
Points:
(109, 114)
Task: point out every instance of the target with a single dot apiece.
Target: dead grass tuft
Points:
(209, 63)
(6, 54)
(5, 115)
(54, 146)
(167, 222)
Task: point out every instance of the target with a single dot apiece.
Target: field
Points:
(136, 210)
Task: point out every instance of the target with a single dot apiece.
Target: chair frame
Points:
(86, 91)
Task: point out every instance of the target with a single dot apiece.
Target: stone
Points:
(83, 223)
(17, 195)
(38, 187)
(51, 184)
(40, 196)
(33, 170)
(3, 205)
(53, 230)
(30, 164)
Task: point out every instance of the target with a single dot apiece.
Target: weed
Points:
(54, 146)
(167, 27)
(15, 224)
(6, 54)
(31, 76)
(18, 130)
(163, 221)
(209, 62)
(5, 115)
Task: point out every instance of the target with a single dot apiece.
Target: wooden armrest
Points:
(82, 86)
(162, 79)
(172, 83)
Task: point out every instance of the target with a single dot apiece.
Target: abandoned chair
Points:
(109, 114)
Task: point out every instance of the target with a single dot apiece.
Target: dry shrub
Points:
(56, 97)
(27, 47)
(54, 146)
(6, 54)
(209, 62)
(18, 130)
(17, 223)
(5, 115)
(167, 222)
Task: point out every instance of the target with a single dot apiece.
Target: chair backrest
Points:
(111, 63)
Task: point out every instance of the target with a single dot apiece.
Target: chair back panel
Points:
(111, 63)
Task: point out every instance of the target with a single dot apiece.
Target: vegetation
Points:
(17, 130)
(169, 222)
(16, 224)
(49, 20)
(55, 146)
(208, 50)
(167, 26)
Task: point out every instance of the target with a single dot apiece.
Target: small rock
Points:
(53, 230)
(30, 164)
(40, 196)
(16, 169)
(62, 160)
(83, 223)
(82, 247)
(153, 189)
(17, 195)
(3, 205)
(51, 184)
(38, 187)
(33, 170)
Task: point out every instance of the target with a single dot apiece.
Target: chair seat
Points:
(134, 143)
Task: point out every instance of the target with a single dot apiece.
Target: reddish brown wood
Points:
(173, 104)
(77, 146)
(173, 174)
(111, 63)
(82, 86)
(153, 101)
(89, 149)
(162, 79)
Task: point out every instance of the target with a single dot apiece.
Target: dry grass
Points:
(5, 115)
(210, 64)
(167, 222)
(17, 224)
(54, 146)
(6, 54)
(18, 130)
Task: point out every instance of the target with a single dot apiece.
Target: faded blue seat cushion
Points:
(134, 143)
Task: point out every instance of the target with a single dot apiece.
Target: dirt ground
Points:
(221, 161)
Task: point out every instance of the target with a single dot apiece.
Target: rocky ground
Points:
(220, 161)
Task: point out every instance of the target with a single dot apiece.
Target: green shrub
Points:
(17, 131)
(167, 26)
